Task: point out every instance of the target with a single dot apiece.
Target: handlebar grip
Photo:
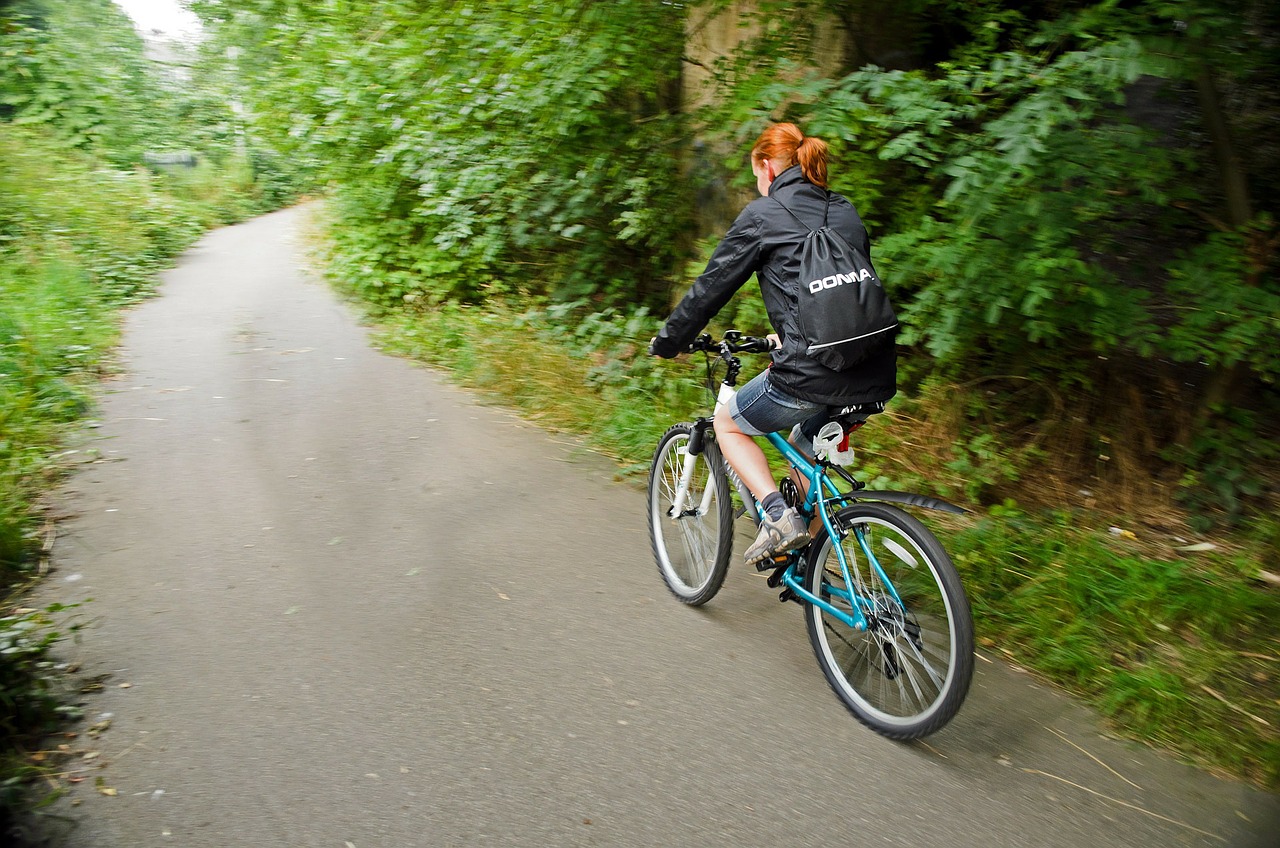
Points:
(754, 345)
(702, 342)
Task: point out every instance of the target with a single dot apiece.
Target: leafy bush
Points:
(535, 149)
(105, 100)
(115, 225)
(1222, 468)
(54, 327)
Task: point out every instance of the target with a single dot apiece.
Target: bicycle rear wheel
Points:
(907, 673)
(692, 548)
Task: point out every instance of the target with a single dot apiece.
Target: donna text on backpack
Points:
(843, 309)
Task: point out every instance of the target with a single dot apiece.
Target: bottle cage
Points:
(832, 441)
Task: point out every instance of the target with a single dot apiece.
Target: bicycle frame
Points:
(815, 503)
(820, 495)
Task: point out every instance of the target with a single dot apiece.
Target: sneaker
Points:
(776, 537)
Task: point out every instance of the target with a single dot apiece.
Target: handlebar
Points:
(733, 342)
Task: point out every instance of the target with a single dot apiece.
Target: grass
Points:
(54, 328)
(556, 375)
(1178, 650)
(1175, 648)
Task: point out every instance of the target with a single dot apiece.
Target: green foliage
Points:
(54, 327)
(1228, 307)
(115, 225)
(114, 103)
(981, 462)
(1222, 465)
(522, 145)
(104, 100)
(1024, 156)
(1051, 199)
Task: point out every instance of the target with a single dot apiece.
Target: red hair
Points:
(786, 145)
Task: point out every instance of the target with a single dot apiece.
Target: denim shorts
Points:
(759, 407)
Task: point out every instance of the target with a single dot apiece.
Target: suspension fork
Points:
(695, 448)
(697, 443)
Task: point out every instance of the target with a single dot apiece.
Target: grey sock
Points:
(774, 505)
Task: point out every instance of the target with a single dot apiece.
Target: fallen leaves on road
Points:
(95, 684)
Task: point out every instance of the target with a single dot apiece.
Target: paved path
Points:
(342, 604)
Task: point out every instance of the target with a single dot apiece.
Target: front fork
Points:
(697, 443)
(694, 449)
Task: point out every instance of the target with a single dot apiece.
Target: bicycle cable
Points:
(711, 377)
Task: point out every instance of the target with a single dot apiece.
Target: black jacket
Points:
(766, 240)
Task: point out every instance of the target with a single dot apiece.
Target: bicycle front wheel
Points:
(906, 674)
(691, 543)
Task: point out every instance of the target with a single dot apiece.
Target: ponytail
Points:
(812, 156)
(787, 146)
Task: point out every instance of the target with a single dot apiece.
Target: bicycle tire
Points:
(906, 675)
(692, 550)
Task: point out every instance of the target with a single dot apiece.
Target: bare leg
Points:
(802, 482)
(802, 485)
(777, 535)
(744, 455)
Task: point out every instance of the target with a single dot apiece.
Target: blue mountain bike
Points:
(886, 613)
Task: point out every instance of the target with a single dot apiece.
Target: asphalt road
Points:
(338, 602)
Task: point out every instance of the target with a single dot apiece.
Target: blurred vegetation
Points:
(85, 226)
(478, 148)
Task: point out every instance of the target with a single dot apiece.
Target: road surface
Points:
(337, 602)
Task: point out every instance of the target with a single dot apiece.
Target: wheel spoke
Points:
(906, 675)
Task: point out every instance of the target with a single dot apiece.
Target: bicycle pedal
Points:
(779, 561)
(774, 580)
(788, 595)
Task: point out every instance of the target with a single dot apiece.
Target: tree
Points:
(480, 148)
(106, 99)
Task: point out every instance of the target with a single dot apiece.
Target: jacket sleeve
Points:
(732, 263)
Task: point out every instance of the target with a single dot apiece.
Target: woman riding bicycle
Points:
(766, 240)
